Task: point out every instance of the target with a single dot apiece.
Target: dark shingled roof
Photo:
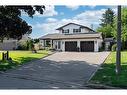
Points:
(81, 26)
(72, 36)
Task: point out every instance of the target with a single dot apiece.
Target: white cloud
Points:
(72, 7)
(51, 20)
(85, 18)
(48, 12)
(91, 17)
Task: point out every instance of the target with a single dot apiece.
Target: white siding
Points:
(85, 30)
(97, 43)
(73, 26)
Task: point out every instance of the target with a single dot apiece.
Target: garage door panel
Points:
(71, 46)
(87, 46)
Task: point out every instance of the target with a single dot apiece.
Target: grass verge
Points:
(21, 57)
(106, 74)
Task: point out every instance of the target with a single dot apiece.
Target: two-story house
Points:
(73, 37)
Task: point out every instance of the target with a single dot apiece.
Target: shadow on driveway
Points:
(48, 74)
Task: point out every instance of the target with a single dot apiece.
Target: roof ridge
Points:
(75, 24)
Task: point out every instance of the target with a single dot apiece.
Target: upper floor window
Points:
(66, 31)
(76, 30)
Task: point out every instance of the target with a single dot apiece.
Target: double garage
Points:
(85, 46)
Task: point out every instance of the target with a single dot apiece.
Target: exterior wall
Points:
(72, 26)
(55, 44)
(85, 30)
(25, 37)
(96, 46)
(8, 45)
(97, 43)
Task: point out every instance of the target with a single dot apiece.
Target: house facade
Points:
(12, 44)
(73, 37)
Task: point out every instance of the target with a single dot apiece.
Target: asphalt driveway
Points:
(59, 70)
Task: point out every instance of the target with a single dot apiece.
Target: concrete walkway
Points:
(60, 70)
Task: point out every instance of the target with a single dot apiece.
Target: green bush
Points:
(23, 45)
(114, 47)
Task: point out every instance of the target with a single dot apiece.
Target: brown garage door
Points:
(71, 46)
(87, 46)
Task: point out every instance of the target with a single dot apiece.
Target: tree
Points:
(107, 18)
(11, 23)
(36, 41)
(124, 27)
(107, 21)
(106, 31)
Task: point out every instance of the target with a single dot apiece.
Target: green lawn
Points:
(106, 74)
(21, 57)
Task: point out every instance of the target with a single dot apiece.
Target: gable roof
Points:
(72, 36)
(81, 26)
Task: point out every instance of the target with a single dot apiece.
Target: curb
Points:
(99, 86)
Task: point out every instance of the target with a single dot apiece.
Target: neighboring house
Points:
(12, 44)
(73, 37)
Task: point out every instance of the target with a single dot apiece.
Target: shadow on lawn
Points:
(22, 60)
(106, 75)
(5, 65)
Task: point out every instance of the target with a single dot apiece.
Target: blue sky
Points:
(56, 16)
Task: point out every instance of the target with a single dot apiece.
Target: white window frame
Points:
(66, 31)
(76, 31)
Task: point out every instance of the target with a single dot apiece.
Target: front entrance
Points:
(71, 46)
(87, 46)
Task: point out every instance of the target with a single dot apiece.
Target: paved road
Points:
(61, 70)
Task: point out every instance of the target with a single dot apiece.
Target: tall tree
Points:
(11, 23)
(106, 25)
(124, 27)
(107, 17)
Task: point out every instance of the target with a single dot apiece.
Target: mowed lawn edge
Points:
(21, 57)
(106, 73)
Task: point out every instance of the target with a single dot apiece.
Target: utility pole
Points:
(118, 52)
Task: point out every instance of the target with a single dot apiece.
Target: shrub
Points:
(114, 47)
(22, 45)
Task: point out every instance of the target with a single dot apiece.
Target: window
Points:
(59, 43)
(76, 30)
(66, 31)
(48, 44)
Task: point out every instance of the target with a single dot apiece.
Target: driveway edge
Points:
(97, 68)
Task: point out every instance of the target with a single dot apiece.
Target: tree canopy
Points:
(106, 25)
(11, 23)
(107, 18)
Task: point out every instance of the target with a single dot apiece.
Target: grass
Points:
(20, 57)
(106, 74)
